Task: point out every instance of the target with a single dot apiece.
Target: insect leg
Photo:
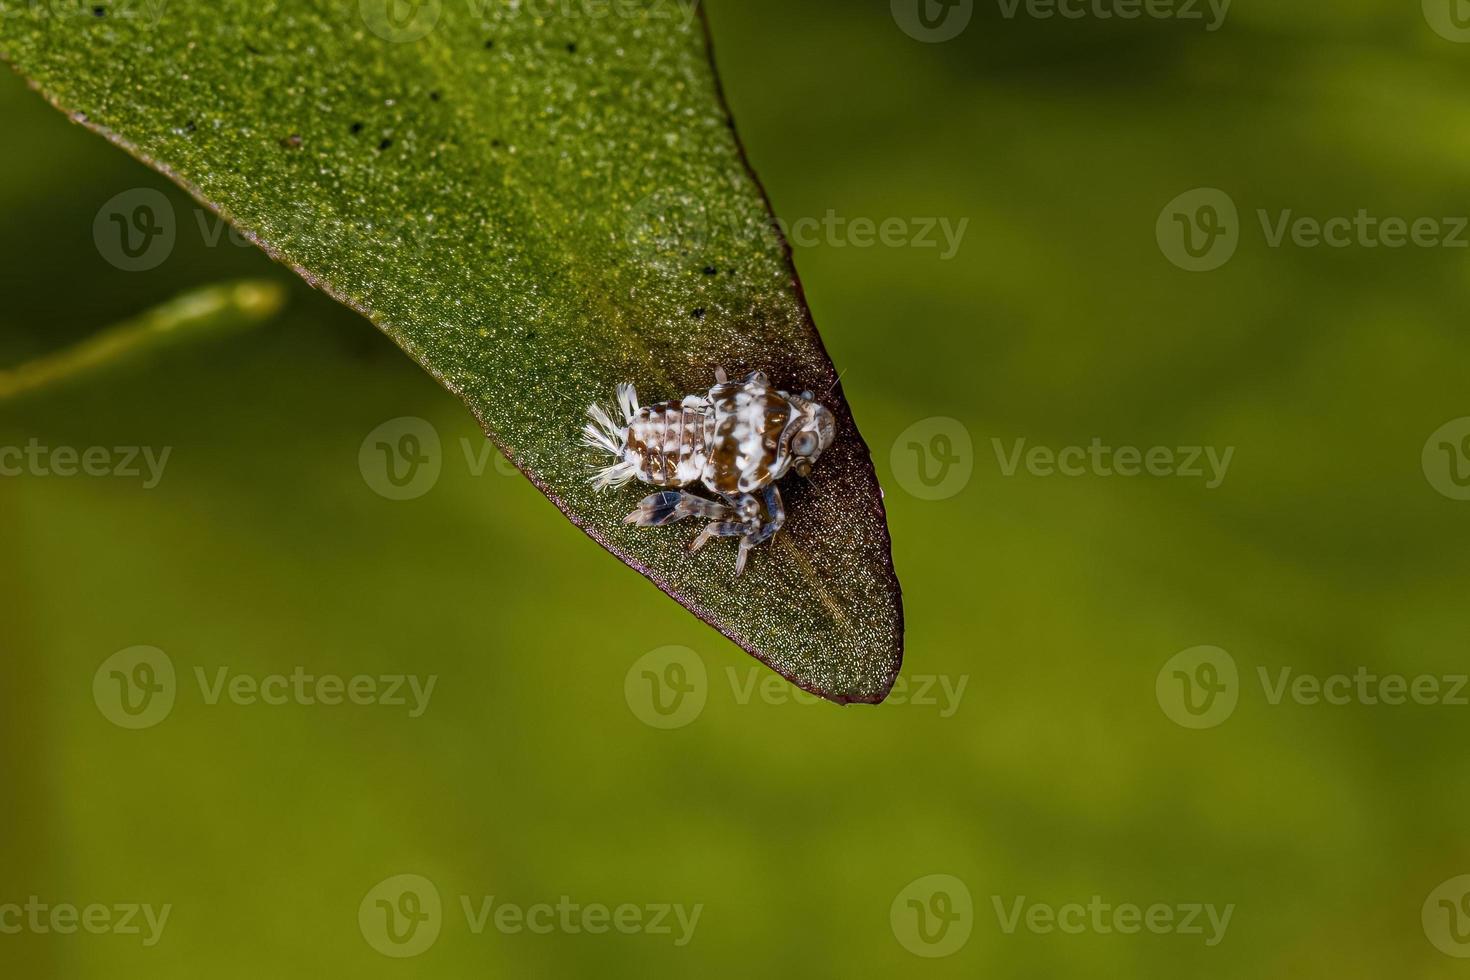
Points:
(745, 513)
(763, 531)
(746, 543)
(760, 529)
(672, 506)
(719, 529)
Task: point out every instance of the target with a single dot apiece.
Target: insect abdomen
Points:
(669, 442)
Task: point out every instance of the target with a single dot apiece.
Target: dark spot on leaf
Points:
(356, 128)
(489, 44)
(572, 47)
(385, 144)
(530, 335)
(495, 142)
(190, 126)
(433, 96)
(710, 270)
(99, 11)
(697, 313)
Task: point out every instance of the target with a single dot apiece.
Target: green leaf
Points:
(535, 202)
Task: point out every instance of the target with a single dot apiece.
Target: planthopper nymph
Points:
(738, 440)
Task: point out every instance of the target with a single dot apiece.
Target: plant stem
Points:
(209, 309)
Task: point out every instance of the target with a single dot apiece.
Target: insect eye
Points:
(805, 444)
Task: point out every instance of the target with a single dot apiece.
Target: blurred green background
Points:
(1033, 750)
